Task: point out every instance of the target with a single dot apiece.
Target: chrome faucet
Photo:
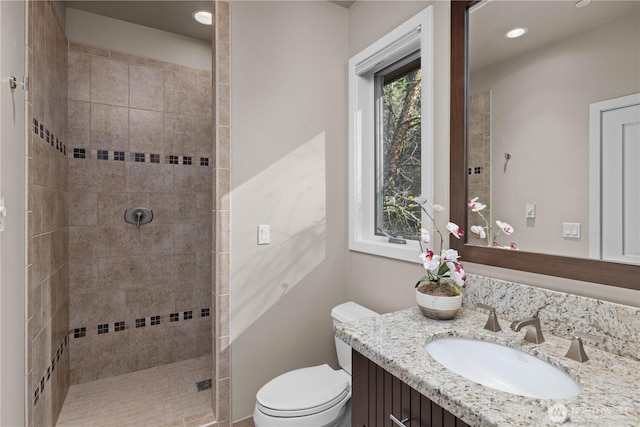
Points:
(534, 330)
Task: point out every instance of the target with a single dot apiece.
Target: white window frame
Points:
(415, 34)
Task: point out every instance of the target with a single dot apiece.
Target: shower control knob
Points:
(138, 216)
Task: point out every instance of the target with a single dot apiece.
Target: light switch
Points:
(530, 210)
(571, 230)
(264, 234)
(3, 213)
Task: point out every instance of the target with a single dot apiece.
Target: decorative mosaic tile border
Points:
(125, 156)
(46, 376)
(105, 328)
(47, 136)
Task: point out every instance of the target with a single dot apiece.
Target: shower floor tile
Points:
(161, 396)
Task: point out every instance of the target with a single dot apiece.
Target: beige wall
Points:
(289, 145)
(543, 122)
(380, 283)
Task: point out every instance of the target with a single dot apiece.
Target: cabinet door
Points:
(377, 394)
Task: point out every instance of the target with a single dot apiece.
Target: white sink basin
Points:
(503, 368)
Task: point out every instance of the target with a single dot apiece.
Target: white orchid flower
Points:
(474, 205)
(430, 261)
(458, 277)
(449, 255)
(505, 227)
(479, 231)
(456, 272)
(455, 230)
(425, 236)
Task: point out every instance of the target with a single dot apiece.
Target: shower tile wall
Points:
(140, 135)
(48, 284)
(479, 159)
(221, 340)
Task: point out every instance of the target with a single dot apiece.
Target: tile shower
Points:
(140, 134)
(105, 297)
(479, 157)
(47, 234)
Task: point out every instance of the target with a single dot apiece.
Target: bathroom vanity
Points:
(378, 395)
(393, 374)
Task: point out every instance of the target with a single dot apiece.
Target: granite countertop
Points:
(396, 342)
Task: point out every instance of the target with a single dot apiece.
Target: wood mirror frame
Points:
(585, 269)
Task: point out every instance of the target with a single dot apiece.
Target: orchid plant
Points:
(487, 231)
(445, 274)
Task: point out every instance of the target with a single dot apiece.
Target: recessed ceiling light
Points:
(516, 32)
(202, 16)
(582, 3)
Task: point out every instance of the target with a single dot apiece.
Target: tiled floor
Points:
(164, 396)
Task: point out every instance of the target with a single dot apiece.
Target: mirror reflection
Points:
(554, 128)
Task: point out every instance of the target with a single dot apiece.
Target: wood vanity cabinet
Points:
(376, 394)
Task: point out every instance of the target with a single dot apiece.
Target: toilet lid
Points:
(304, 391)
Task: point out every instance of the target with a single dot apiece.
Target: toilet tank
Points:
(348, 312)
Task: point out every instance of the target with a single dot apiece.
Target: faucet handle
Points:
(576, 350)
(492, 322)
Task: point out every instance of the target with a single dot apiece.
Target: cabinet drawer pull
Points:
(399, 423)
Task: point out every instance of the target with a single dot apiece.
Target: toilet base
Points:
(316, 420)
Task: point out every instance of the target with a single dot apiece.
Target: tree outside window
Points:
(398, 153)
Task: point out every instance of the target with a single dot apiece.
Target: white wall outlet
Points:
(530, 210)
(264, 234)
(571, 230)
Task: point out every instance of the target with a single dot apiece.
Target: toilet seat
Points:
(304, 392)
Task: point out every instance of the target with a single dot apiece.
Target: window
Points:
(390, 139)
(398, 148)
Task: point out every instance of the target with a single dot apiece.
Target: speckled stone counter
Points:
(396, 342)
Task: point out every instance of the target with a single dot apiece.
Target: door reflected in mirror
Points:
(554, 128)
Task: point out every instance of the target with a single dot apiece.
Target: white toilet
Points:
(312, 397)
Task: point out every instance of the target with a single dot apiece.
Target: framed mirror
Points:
(531, 257)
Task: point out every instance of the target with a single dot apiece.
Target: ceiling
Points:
(174, 16)
(547, 22)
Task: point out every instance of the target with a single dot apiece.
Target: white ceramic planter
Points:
(439, 308)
